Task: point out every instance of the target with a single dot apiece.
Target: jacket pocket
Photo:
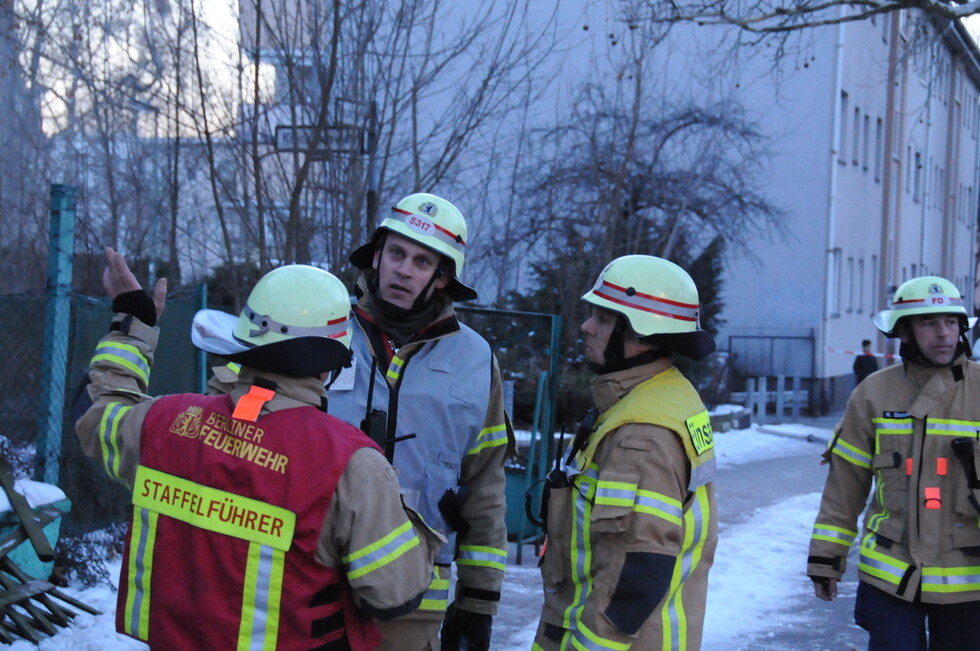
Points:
(439, 478)
(614, 499)
(890, 467)
(964, 475)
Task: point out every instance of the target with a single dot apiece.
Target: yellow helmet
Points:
(656, 297)
(296, 321)
(432, 222)
(922, 295)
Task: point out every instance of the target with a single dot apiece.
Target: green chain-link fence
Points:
(96, 501)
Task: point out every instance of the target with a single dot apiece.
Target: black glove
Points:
(465, 631)
(451, 510)
(139, 304)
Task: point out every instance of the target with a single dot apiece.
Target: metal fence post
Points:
(57, 314)
(762, 398)
(201, 357)
(796, 398)
(780, 397)
(750, 396)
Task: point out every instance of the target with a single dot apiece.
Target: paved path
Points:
(744, 488)
(740, 491)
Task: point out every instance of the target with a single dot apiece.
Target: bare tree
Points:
(773, 16)
(175, 163)
(423, 91)
(638, 168)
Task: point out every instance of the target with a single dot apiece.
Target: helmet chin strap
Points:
(425, 296)
(421, 301)
(615, 353)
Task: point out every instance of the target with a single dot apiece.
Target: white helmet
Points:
(432, 222)
(295, 322)
(658, 299)
(922, 295)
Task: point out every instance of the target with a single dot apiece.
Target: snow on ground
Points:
(742, 598)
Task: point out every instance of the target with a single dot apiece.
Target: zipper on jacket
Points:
(918, 481)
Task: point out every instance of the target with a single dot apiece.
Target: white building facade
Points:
(877, 169)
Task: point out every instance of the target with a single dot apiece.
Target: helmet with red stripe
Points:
(659, 301)
(432, 222)
(923, 295)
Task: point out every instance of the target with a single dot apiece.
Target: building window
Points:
(879, 148)
(834, 286)
(850, 285)
(860, 286)
(866, 142)
(874, 283)
(917, 178)
(857, 136)
(941, 194)
(908, 168)
(842, 135)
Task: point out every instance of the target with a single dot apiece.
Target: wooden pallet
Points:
(28, 606)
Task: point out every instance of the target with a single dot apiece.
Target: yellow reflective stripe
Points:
(261, 598)
(615, 493)
(234, 367)
(880, 565)
(395, 368)
(437, 596)
(658, 504)
(697, 520)
(892, 425)
(580, 545)
(490, 437)
(213, 509)
(831, 533)
(109, 437)
(852, 454)
(136, 616)
(948, 580)
(952, 427)
(874, 522)
(381, 552)
(125, 355)
(479, 556)
(585, 639)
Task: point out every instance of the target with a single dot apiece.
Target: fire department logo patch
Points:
(429, 208)
(935, 289)
(187, 423)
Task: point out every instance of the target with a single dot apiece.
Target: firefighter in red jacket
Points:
(258, 520)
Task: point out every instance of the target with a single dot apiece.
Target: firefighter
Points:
(428, 390)
(631, 517)
(258, 520)
(913, 428)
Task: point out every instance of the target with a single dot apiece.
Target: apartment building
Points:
(876, 164)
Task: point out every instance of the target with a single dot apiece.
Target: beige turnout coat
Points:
(913, 433)
(630, 543)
